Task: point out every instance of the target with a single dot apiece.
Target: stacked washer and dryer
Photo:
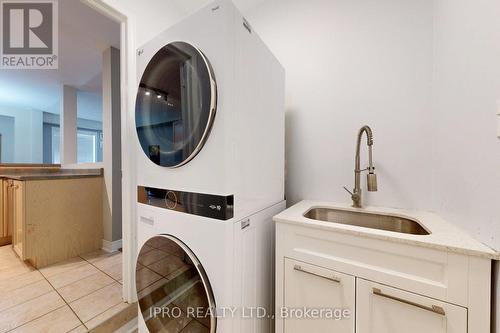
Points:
(210, 123)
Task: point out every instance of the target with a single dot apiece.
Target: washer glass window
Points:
(175, 105)
(181, 299)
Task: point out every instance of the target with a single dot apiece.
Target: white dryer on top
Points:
(210, 111)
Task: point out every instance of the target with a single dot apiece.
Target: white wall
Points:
(466, 162)
(89, 105)
(28, 133)
(351, 63)
(68, 145)
(424, 74)
(112, 145)
(7, 139)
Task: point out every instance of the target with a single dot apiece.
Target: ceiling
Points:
(81, 45)
(192, 5)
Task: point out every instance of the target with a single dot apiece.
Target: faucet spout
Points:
(371, 177)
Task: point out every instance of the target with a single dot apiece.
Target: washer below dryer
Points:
(199, 274)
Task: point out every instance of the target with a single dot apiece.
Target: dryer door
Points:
(175, 105)
(173, 289)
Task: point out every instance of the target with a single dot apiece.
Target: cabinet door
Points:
(3, 222)
(311, 287)
(382, 309)
(8, 206)
(18, 217)
(7, 210)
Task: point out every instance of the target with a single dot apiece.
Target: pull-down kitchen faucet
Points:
(371, 177)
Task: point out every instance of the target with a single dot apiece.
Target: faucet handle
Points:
(345, 188)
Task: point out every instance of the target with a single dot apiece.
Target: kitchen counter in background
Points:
(48, 174)
(50, 214)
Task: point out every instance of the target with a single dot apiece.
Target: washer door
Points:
(175, 105)
(173, 289)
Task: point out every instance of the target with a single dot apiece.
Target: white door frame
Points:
(114, 10)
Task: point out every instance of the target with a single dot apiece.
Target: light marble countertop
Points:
(443, 235)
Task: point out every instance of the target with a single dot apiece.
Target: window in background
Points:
(89, 143)
(89, 123)
(51, 138)
(89, 146)
(55, 155)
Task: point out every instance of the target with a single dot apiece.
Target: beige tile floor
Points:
(76, 295)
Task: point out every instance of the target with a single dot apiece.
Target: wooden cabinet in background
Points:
(54, 220)
(5, 218)
(17, 206)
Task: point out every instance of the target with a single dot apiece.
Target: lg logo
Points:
(29, 33)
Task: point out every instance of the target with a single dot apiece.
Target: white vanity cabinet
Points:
(392, 282)
(312, 287)
(382, 309)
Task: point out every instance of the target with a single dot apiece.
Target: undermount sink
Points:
(367, 220)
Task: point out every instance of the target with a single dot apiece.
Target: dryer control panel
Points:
(207, 205)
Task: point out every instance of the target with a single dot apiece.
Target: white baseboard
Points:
(111, 247)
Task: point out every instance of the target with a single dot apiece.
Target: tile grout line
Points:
(10, 307)
(45, 278)
(65, 272)
(80, 319)
(28, 300)
(112, 278)
(76, 299)
(13, 276)
(28, 284)
(72, 269)
(67, 304)
(97, 315)
(100, 270)
(29, 321)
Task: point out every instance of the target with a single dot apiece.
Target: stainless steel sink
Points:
(367, 220)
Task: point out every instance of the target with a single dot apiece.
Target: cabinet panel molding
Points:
(420, 270)
(18, 218)
(5, 221)
(309, 286)
(382, 309)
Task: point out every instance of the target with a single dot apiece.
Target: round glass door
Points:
(175, 105)
(173, 289)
